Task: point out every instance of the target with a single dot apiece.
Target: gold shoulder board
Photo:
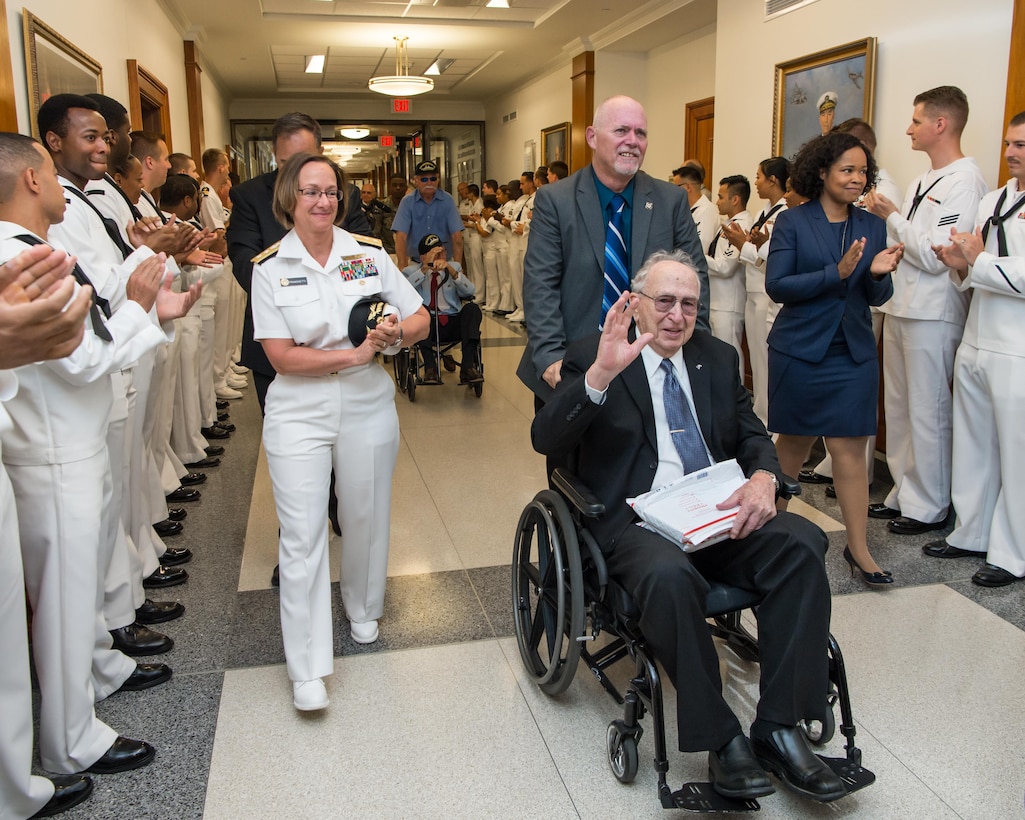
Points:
(367, 240)
(266, 254)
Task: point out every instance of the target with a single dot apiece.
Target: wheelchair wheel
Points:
(478, 388)
(819, 733)
(548, 592)
(622, 752)
(400, 364)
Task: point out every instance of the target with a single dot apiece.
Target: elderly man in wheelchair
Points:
(443, 287)
(624, 417)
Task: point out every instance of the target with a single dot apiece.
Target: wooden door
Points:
(698, 142)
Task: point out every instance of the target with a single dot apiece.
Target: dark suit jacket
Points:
(252, 229)
(613, 446)
(563, 269)
(802, 274)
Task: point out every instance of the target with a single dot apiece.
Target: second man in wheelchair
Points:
(623, 415)
(443, 287)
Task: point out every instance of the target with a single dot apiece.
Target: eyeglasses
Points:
(664, 304)
(314, 194)
(429, 179)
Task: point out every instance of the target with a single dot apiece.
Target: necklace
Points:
(843, 235)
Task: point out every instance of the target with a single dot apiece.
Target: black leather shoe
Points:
(223, 416)
(222, 404)
(177, 514)
(214, 432)
(145, 676)
(205, 463)
(224, 425)
(136, 639)
(882, 511)
(68, 791)
(735, 773)
(183, 494)
(126, 754)
(175, 556)
(169, 527)
(831, 491)
(157, 612)
(214, 450)
(787, 755)
(275, 577)
(165, 577)
(189, 479)
(941, 549)
(811, 477)
(993, 576)
(912, 526)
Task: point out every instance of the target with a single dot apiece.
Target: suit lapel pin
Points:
(648, 206)
(697, 367)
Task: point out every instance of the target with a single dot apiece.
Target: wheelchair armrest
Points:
(577, 493)
(789, 488)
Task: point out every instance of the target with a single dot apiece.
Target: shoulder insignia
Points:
(367, 240)
(264, 255)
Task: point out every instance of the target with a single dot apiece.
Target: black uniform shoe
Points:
(275, 577)
(811, 477)
(68, 791)
(224, 425)
(177, 514)
(123, 756)
(136, 639)
(993, 576)
(735, 773)
(912, 526)
(214, 450)
(205, 463)
(787, 755)
(215, 432)
(175, 556)
(165, 577)
(941, 549)
(168, 527)
(145, 676)
(184, 494)
(157, 612)
(222, 404)
(223, 416)
(189, 479)
(882, 511)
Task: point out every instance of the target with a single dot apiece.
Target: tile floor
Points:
(438, 720)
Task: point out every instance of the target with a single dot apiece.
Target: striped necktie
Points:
(617, 276)
(682, 426)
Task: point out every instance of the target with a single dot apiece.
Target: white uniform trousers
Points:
(223, 288)
(728, 326)
(492, 276)
(756, 324)
(504, 254)
(207, 338)
(145, 502)
(517, 250)
(65, 563)
(186, 420)
(989, 457)
(473, 253)
(124, 570)
(21, 794)
(347, 421)
(918, 364)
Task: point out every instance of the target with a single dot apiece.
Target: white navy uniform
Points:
(21, 793)
(473, 251)
(756, 310)
(921, 332)
(726, 285)
(346, 420)
(57, 459)
(522, 209)
(989, 394)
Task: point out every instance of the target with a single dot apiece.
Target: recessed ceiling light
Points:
(498, 4)
(315, 64)
(354, 133)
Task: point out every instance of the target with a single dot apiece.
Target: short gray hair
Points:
(682, 257)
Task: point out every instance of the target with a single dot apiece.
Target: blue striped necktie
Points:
(617, 276)
(682, 426)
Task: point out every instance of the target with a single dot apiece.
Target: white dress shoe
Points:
(515, 316)
(309, 695)
(227, 393)
(236, 382)
(363, 633)
(240, 369)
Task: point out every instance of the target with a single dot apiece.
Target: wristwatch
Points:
(772, 475)
(398, 343)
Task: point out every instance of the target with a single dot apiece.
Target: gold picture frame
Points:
(55, 65)
(815, 92)
(555, 144)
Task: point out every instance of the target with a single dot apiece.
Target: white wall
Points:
(540, 104)
(111, 32)
(216, 128)
(921, 44)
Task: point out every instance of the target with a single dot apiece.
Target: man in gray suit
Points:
(564, 267)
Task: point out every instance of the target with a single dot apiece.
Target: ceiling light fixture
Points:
(354, 133)
(401, 83)
(498, 4)
(315, 64)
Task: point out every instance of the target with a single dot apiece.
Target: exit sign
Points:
(401, 106)
(386, 140)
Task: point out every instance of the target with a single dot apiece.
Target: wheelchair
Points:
(563, 600)
(412, 363)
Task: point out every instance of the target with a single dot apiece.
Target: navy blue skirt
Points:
(835, 397)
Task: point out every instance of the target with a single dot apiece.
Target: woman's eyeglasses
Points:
(314, 194)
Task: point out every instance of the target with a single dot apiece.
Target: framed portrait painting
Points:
(816, 92)
(55, 65)
(555, 144)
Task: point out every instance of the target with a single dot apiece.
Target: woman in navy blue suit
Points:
(827, 264)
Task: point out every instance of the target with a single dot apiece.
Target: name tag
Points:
(357, 267)
(295, 280)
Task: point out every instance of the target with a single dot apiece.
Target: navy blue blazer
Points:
(802, 275)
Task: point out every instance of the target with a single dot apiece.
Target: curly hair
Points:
(820, 154)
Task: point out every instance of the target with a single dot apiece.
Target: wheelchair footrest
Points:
(701, 798)
(852, 774)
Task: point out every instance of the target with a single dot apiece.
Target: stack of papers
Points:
(685, 512)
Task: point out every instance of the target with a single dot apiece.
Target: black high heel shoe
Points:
(873, 579)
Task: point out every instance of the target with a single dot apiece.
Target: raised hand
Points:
(615, 350)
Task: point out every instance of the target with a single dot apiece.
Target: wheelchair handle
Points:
(577, 493)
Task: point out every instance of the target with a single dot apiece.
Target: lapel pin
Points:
(697, 367)
(648, 206)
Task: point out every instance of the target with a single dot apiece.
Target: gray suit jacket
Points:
(563, 270)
